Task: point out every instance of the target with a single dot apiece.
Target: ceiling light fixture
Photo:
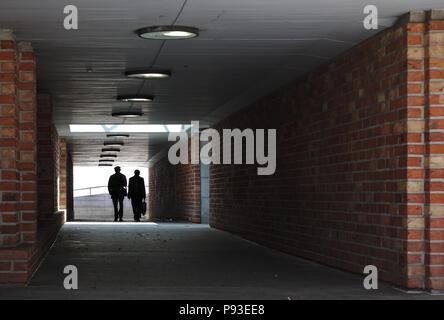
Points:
(113, 143)
(105, 165)
(110, 150)
(108, 156)
(148, 74)
(117, 135)
(135, 98)
(106, 160)
(168, 32)
(127, 114)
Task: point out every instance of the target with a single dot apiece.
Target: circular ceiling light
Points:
(135, 98)
(117, 135)
(108, 156)
(113, 143)
(148, 74)
(110, 150)
(127, 114)
(168, 32)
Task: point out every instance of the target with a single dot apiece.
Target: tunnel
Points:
(287, 148)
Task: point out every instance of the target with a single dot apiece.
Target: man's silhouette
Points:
(117, 190)
(136, 192)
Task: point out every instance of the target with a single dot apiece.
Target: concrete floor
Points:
(183, 261)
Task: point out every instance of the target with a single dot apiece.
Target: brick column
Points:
(27, 164)
(24, 145)
(434, 149)
(62, 173)
(47, 158)
(69, 188)
(414, 136)
(9, 142)
(425, 151)
(18, 142)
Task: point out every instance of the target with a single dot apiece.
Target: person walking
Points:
(136, 192)
(117, 190)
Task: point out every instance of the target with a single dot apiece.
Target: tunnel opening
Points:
(92, 201)
(357, 179)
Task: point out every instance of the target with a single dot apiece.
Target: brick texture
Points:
(62, 173)
(27, 165)
(69, 188)
(28, 219)
(18, 145)
(10, 135)
(360, 167)
(431, 113)
(48, 155)
(174, 191)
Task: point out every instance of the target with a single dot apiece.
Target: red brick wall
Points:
(188, 192)
(27, 165)
(47, 157)
(62, 173)
(352, 155)
(20, 262)
(69, 188)
(18, 210)
(174, 191)
(24, 235)
(426, 108)
(9, 145)
(162, 190)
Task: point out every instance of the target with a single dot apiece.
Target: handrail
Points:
(97, 187)
(90, 188)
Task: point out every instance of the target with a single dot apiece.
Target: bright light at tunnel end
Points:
(146, 128)
(107, 223)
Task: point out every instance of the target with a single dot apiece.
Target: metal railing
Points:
(91, 191)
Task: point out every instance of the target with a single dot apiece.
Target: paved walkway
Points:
(183, 261)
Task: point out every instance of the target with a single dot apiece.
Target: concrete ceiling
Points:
(246, 49)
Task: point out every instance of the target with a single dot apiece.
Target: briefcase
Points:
(143, 207)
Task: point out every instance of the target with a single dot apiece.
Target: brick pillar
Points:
(425, 151)
(414, 136)
(62, 174)
(69, 188)
(9, 142)
(18, 142)
(28, 141)
(22, 243)
(433, 68)
(47, 158)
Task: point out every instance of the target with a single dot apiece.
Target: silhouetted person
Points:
(117, 190)
(136, 192)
